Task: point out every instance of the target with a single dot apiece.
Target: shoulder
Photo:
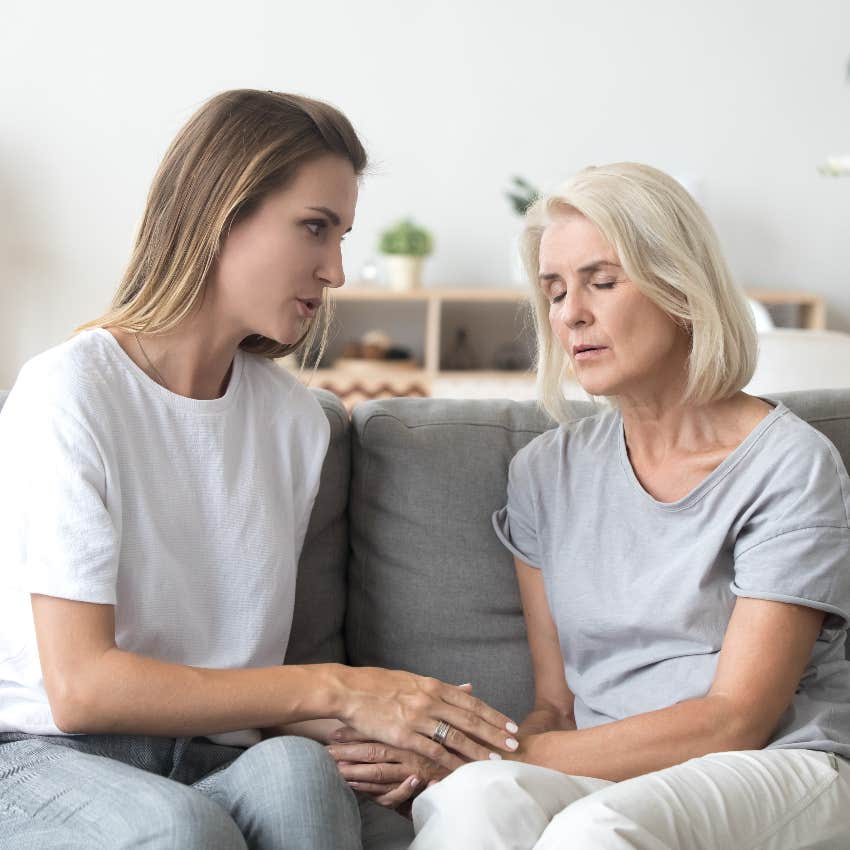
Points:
(75, 377)
(281, 395)
(796, 450)
(584, 436)
(797, 476)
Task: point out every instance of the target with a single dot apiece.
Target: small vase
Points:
(404, 272)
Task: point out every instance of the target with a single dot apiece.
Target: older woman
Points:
(683, 560)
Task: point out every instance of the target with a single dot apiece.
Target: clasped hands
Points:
(393, 775)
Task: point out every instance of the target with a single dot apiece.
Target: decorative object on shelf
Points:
(369, 272)
(838, 166)
(374, 344)
(374, 354)
(460, 356)
(404, 246)
(511, 357)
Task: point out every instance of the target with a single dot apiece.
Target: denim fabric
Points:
(105, 791)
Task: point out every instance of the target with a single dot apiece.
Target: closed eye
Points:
(607, 284)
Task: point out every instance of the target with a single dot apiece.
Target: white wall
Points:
(452, 98)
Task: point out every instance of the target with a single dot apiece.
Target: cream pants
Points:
(780, 799)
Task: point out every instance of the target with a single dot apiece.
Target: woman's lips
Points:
(307, 307)
(590, 353)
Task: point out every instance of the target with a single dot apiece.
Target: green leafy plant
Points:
(406, 238)
(521, 195)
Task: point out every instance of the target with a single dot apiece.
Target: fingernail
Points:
(511, 743)
(413, 781)
(465, 685)
(495, 757)
(512, 727)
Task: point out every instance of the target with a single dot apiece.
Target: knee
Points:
(178, 816)
(588, 822)
(290, 768)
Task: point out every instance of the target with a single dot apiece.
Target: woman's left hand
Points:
(390, 775)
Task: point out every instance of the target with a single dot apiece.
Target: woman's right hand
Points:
(404, 710)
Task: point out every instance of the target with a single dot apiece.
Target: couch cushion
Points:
(320, 591)
(430, 587)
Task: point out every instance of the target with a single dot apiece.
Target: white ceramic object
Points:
(403, 272)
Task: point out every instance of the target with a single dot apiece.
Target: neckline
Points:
(715, 476)
(197, 405)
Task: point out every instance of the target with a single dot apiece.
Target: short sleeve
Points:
(515, 524)
(57, 536)
(800, 553)
(808, 566)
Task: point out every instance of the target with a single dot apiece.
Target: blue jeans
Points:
(127, 791)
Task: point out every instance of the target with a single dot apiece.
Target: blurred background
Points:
(743, 101)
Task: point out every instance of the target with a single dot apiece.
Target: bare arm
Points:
(320, 730)
(765, 651)
(95, 687)
(553, 700)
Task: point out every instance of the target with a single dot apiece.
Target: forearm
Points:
(545, 718)
(643, 743)
(319, 730)
(127, 693)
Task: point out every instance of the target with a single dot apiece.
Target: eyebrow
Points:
(330, 214)
(590, 267)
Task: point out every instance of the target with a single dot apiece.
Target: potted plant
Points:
(404, 246)
(521, 195)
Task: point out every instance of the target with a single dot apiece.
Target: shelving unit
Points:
(426, 320)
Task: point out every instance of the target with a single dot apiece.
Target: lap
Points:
(757, 799)
(52, 795)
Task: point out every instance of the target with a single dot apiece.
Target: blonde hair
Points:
(238, 148)
(669, 250)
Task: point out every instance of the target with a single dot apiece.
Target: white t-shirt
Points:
(188, 516)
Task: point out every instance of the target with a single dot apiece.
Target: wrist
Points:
(533, 748)
(338, 682)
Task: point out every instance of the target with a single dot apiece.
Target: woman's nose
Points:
(331, 271)
(573, 311)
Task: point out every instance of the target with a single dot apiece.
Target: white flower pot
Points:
(404, 272)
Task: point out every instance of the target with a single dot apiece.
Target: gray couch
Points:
(400, 566)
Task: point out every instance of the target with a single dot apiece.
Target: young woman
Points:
(159, 472)
(683, 561)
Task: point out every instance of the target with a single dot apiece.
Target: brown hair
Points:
(238, 148)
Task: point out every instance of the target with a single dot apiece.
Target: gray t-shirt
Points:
(642, 591)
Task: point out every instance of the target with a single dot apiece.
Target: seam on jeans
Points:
(794, 813)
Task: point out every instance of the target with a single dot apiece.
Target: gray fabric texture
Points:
(430, 587)
(133, 791)
(317, 627)
(642, 591)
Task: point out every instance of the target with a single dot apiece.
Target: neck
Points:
(193, 359)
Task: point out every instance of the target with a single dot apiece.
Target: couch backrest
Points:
(430, 588)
